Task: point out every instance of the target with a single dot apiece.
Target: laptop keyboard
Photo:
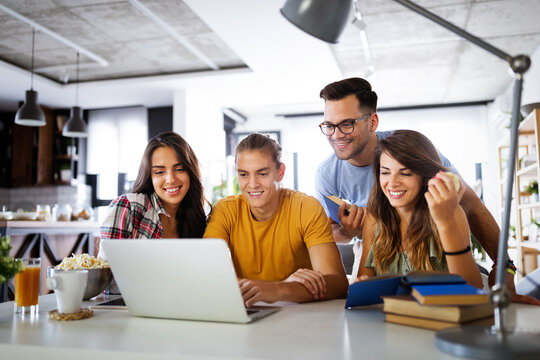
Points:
(250, 312)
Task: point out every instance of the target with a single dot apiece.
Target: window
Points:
(116, 141)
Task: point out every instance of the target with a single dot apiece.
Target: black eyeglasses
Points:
(346, 127)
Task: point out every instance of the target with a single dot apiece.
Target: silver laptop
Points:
(191, 279)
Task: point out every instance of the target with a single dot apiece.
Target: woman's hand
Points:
(442, 198)
(451, 222)
(361, 278)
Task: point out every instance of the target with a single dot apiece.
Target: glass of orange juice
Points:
(27, 287)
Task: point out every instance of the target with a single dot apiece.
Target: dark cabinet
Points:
(38, 155)
(6, 147)
(66, 151)
(26, 152)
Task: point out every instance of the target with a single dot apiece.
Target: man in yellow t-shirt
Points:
(280, 239)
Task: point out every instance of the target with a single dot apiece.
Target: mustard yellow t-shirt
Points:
(273, 249)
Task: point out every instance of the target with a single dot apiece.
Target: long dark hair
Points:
(414, 151)
(190, 217)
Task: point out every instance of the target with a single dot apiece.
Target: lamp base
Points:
(479, 342)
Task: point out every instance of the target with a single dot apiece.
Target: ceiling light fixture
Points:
(499, 341)
(312, 17)
(75, 127)
(30, 114)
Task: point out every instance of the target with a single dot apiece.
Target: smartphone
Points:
(118, 304)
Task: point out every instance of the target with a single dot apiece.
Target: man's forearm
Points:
(485, 229)
(336, 288)
(339, 237)
(481, 222)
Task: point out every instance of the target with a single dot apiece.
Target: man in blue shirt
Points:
(350, 124)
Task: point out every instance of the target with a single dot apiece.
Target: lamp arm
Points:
(456, 30)
(499, 297)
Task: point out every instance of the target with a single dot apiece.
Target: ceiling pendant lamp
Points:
(75, 126)
(30, 114)
(322, 19)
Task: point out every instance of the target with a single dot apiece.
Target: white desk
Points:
(299, 331)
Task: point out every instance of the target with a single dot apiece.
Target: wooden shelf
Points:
(67, 157)
(512, 243)
(531, 170)
(531, 244)
(523, 213)
(60, 182)
(529, 205)
(527, 126)
(66, 152)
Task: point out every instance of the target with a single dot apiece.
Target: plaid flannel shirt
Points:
(133, 216)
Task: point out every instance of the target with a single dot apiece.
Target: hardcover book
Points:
(449, 294)
(408, 306)
(433, 324)
(333, 203)
(371, 291)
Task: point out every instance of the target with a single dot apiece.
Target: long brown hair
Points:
(190, 217)
(415, 152)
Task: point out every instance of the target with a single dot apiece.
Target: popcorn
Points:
(82, 261)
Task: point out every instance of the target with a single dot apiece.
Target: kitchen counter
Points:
(19, 227)
(49, 240)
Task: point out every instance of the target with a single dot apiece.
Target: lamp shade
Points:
(75, 127)
(324, 19)
(30, 114)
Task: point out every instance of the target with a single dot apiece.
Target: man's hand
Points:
(351, 224)
(258, 290)
(312, 280)
(268, 291)
(523, 299)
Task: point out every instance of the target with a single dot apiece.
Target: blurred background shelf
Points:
(525, 204)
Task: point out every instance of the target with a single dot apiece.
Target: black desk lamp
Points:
(325, 20)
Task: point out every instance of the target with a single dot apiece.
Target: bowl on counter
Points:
(98, 280)
(6, 215)
(26, 215)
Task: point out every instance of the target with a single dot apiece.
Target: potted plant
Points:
(532, 230)
(8, 266)
(532, 189)
(65, 172)
(512, 231)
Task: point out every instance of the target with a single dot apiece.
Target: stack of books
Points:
(423, 299)
(438, 312)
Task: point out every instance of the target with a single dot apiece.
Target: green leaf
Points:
(8, 265)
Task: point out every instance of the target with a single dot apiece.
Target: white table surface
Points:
(323, 330)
